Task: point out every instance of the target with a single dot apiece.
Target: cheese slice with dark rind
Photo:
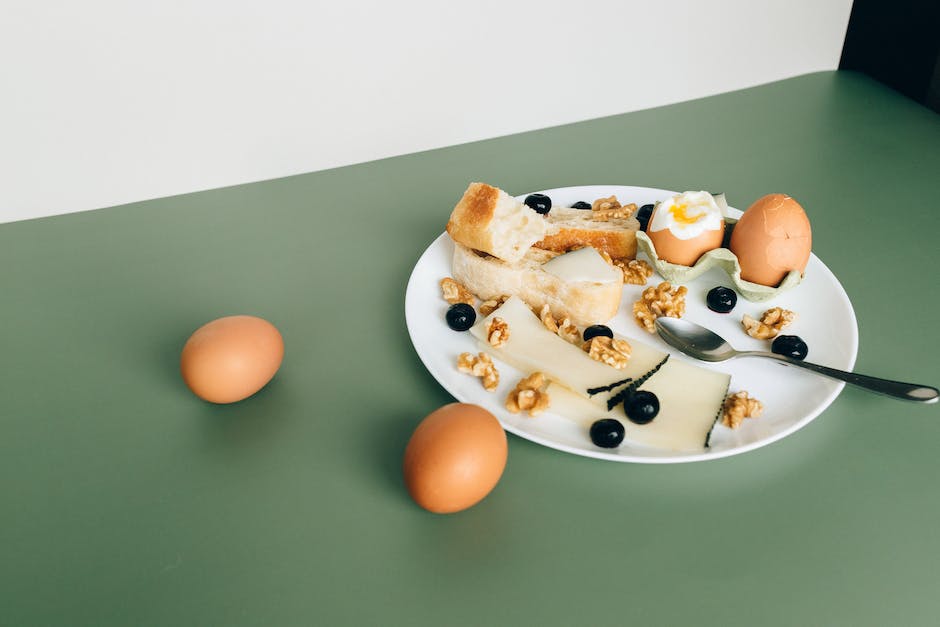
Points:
(690, 396)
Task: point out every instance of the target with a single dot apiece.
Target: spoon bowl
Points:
(700, 343)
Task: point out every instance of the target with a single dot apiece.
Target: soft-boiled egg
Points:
(685, 226)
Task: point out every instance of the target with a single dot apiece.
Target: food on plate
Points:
(635, 271)
(540, 203)
(739, 406)
(613, 351)
(564, 328)
(791, 346)
(453, 292)
(580, 205)
(770, 324)
(578, 285)
(231, 358)
(643, 215)
(690, 397)
(489, 220)
(662, 300)
(607, 432)
(529, 395)
(460, 316)
(454, 458)
(597, 330)
(772, 239)
(685, 226)
(721, 299)
(641, 407)
(481, 366)
(497, 331)
(609, 231)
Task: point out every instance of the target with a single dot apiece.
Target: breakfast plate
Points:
(791, 397)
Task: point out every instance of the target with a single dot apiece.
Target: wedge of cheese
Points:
(690, 396)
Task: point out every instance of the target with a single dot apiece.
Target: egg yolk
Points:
(682, 217)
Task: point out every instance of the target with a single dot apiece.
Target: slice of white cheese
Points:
(584, 265)
(689, 396)
(532, 347)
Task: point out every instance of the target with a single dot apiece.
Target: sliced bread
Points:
(490, 220)
(578, 285)
(577, 228)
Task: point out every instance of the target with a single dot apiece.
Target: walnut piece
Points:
(489, 306)
(453, 292)
(481, 366)
(529, 395)
(739, 406)
(497, 332)
(662, 300)
(563, 329)
(604, 209)
(635, 271)
(770, 324)
(611, 351)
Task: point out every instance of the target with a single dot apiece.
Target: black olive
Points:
(641, 407)
(597, 330)
(607, 433)
(790, 346)
(721, 299)
(460, 316)
(643, 215)
(539, 202)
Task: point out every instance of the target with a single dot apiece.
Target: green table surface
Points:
(128, 501)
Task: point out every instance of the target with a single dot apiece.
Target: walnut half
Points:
(481, 366)
(737, 407)
(563, 329)
(497, 332)
(529, 395)
(604, 209)
(453, 292)
(611, 351)
(770, 324)
(662, 300)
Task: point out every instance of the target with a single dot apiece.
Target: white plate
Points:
(791, 397)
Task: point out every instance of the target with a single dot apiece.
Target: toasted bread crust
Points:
(472, 215)
(617, 244)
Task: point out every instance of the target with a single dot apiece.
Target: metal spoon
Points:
(698, 342)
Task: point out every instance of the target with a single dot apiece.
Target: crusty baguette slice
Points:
(578, 228)
(584, 302)
(490, 220)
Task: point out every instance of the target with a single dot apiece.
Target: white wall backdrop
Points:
(104, 102)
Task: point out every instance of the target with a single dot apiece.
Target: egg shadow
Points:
(386, 442)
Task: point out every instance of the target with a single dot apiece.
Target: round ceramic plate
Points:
(791, 397)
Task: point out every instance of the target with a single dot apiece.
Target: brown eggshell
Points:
(772, 238)
(684, 251)
(231, 358)
(454, 458)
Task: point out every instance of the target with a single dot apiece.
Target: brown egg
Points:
(454, 458)
(231, 358)
(685, 251)
(772, 238)
(684, 227)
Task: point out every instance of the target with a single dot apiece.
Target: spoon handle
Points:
(897, 389)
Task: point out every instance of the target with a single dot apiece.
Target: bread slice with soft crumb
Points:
(490, 220)
(577, 228)
(586, 291)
